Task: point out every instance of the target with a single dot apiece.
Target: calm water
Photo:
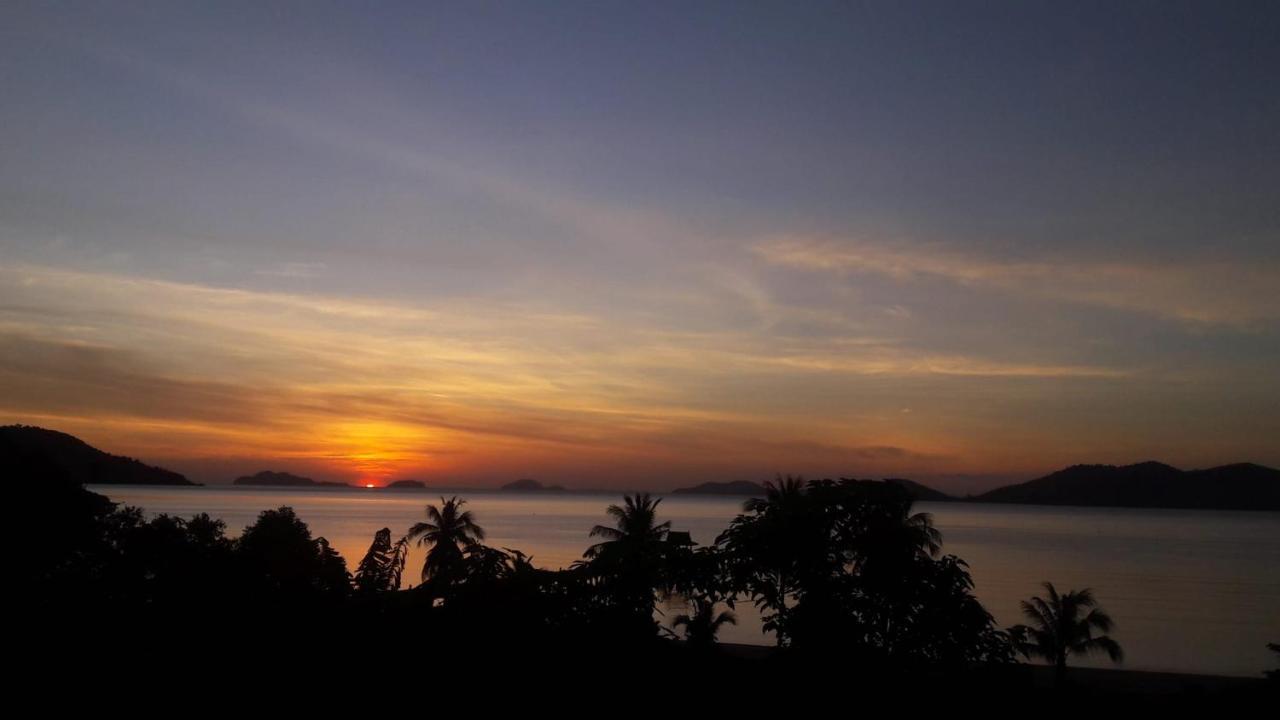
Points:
(1191, 591)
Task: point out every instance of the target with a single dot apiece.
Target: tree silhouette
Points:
(781, 494)
(280, 553)
(635, 526)
(383, 565)
(1063, 625)
(331, 569)
(776, 548)
(628, 568)
(447, 530)
(847, 566)
(702, 626)
(487, 564)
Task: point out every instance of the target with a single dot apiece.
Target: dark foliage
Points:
(847, 566)
(283, 561)
(382, 568)
(848, 577)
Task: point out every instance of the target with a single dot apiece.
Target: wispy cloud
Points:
(294, 270)
(1234, 293)
(390, 386)
(429, 152)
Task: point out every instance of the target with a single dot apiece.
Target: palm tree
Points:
(704, 624)
(919, 533)
(764, 548)
(628, 566)
(890, 534)
(635, 525)
(447, 530)
(784, 492)
(1063, 625)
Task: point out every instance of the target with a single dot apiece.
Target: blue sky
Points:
(608, 242)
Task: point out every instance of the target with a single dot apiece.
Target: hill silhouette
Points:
(527, 485)
(920, 493)
(406, 485)
(1242, 486)
(77, 461)
(1239, 486)
(283, 479)
(736, 487)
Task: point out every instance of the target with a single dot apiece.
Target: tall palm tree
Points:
(635, 525)
(704, 624)
(1063, 625)
(448, 529)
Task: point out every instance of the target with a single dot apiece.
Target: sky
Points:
(620, 245)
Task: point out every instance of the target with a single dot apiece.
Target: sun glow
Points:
(368, 485)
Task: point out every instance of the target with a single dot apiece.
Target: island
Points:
(405, 485)
(36, 452)
(283, 479)
(1241, 486)
(744, 488)
(527, 485)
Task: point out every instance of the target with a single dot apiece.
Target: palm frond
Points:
(1107, 645)
(605, 532)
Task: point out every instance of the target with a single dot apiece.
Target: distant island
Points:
(283, 479)
(406, 485)
(1243, 486)
(34, 452)
(527, 485)
(70, 458)
(745, 488)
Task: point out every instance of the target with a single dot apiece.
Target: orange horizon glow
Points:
(363, 391)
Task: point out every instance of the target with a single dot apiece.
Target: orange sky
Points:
(217, 382)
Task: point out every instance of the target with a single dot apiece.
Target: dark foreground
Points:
(851, 580)
(193, 656)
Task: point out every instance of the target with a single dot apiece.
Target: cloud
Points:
(1232, 293)
(294, 270)
(902, 363)
(433, 385)
(401, 142)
